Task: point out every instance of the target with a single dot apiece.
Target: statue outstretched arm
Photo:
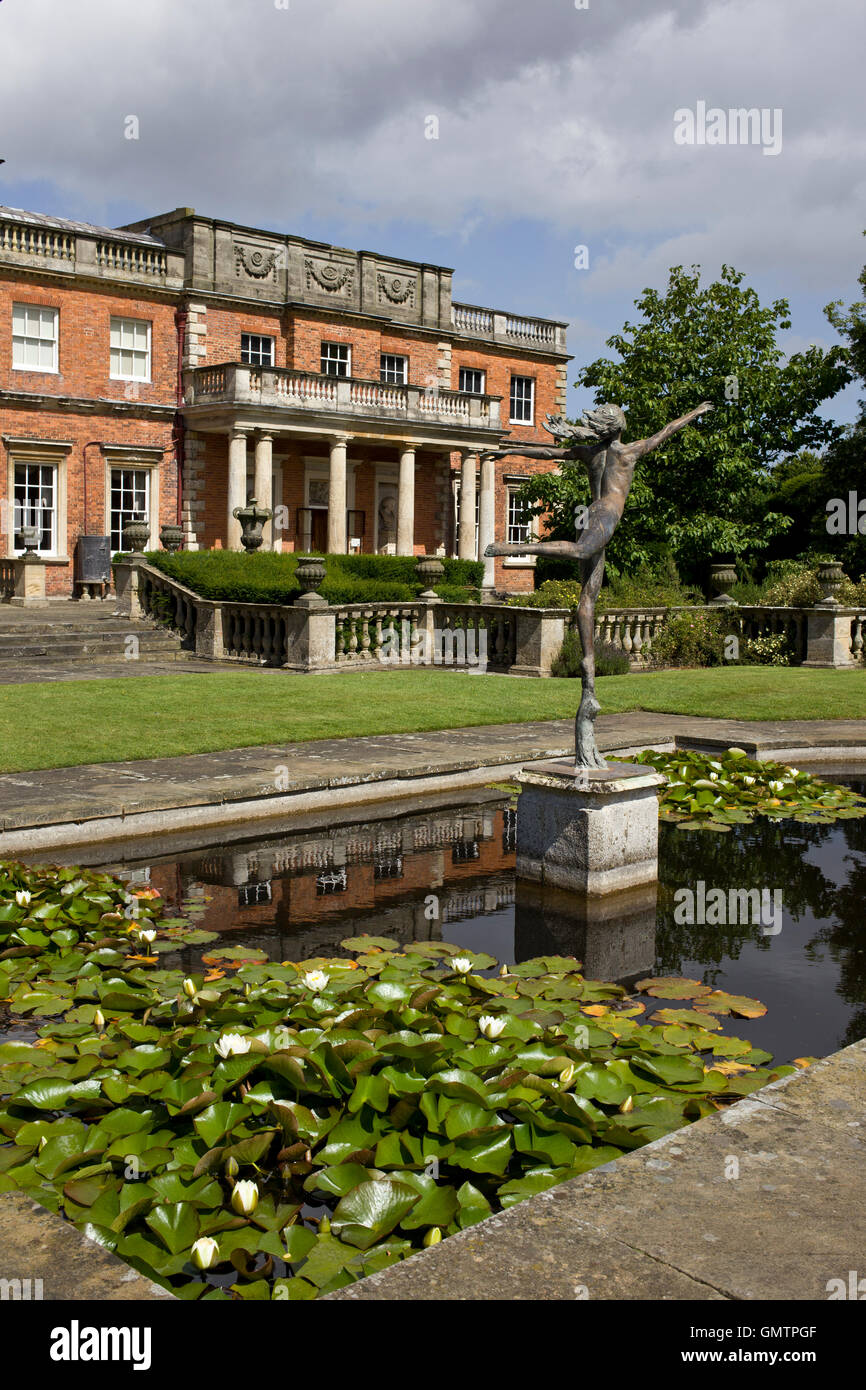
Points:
(645, 446)
(531, 451)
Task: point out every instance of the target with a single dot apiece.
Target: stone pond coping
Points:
(113, 801)
(665, 1222)
(662, 1223)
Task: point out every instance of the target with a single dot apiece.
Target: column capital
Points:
(264, 435)
(340, 438)
(238, 431)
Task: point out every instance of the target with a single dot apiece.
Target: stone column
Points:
(263, 487)
(237, 486)
(406, 502)
(466, 537)
(487, 522)
(337, 540)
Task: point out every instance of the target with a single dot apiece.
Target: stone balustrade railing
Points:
(37, 245)
(465, 636)
(167, 602)
(632, 631)
(512, 330)
(7, 580)
(236, 383)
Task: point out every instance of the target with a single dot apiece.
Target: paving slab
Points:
(55, 1262)
(239, 784)
(763, 1200)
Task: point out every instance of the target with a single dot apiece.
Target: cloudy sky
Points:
(555, 130)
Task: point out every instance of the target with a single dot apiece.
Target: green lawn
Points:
(64, 723)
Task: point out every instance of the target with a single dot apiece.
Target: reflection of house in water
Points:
(404, 879)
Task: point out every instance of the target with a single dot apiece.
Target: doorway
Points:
(319, 530)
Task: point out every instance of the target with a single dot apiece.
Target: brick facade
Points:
(161, 273)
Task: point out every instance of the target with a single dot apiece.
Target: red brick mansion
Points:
(172, 368)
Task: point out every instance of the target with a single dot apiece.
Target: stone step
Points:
(76, 647)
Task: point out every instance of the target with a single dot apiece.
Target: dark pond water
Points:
(447, 872)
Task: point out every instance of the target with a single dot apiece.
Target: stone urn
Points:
(171, 537)
(430, 571)
(252, 518)
(722, 576)
(830, 576)
(27, 539)
(310, 573)
(136, 535)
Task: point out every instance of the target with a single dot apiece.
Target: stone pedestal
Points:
(828, 636)
(29, 573)
(588, 830)
(540, 633)
(126, 588)
(310, 635)
(612, 935)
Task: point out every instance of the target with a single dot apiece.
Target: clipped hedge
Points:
(268, 577)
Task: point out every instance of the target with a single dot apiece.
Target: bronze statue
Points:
(611, 470)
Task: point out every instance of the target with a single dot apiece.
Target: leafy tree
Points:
(844, 464)
(706, 493)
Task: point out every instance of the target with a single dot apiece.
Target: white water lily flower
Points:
(245, 1198)
(776, 786)
(714, 777)
(491, 1026)
(316, 979)
(462, 964)
(146, 936)
(99, 1020)
(22, 897)
(232, 1045)
(749, 781)
(793, 772)
(205, 1252)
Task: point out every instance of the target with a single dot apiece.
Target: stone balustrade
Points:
(512, 330)
(78, 249)
(632, 631)
(465, 636)
(7, 580)
(235, 383)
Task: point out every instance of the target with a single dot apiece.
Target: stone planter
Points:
(27, 539)
(830, 576)
(430, 571)
(136, 536)
(722, 576)
(252, 518)
(310, 574)
(171, 537)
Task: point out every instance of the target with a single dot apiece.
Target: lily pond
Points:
(266, 1068)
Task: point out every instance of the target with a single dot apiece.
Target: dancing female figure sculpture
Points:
(611, 470)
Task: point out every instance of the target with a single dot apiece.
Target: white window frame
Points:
(393, 357)
(260, 339)
(142, 458)
(513, 400)
(326, 361)
(21, 340)
(470, 390)
(512, 528)
(120, 467)
(119, 324)
(34, 513)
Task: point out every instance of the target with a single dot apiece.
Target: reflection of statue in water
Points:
(611, 469)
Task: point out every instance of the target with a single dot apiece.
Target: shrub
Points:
(690, 638)
(609, 660)
(268, 577)
(766, 651)
(553, 593)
